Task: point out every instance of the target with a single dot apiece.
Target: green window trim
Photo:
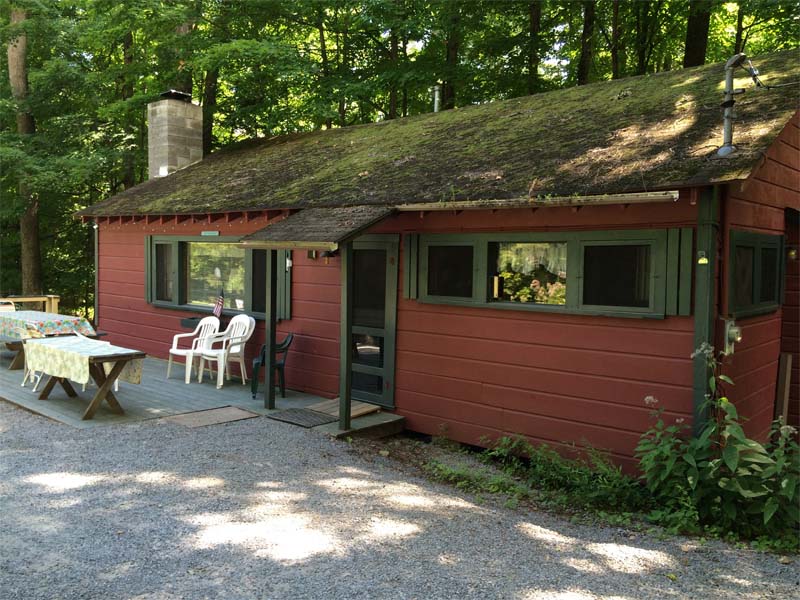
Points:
(178, 302)
(670, 270)
(759, 242)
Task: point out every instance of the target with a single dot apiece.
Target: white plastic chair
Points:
(206, 327)
(7, 306)
(232, 342)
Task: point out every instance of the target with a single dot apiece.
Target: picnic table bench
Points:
(77, 358)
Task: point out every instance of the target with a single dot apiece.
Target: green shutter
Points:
(148, 268)
(410, 265)
(685, 272)
(673, 267)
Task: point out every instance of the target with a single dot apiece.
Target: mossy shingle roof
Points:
(636, 134)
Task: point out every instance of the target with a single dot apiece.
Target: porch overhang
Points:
(317, 228)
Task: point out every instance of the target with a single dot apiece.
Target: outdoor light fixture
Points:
(733, 335)
(792, 254)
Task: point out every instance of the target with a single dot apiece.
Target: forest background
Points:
(78, 74)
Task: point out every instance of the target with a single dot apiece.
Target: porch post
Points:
(346, 323)
(269, 342)
(705, 312)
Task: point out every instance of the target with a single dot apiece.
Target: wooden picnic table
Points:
(78, 358)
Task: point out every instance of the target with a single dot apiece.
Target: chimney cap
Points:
(176, 95)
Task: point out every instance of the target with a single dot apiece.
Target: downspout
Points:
(705, 301)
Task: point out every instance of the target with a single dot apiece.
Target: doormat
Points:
(302, 417)
(357, 409)
(214, 416)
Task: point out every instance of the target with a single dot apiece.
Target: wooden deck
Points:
(155, 397)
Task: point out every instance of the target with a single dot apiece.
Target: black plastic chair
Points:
(282, 348)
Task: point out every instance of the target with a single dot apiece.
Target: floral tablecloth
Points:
(26, 324)
(68, 357)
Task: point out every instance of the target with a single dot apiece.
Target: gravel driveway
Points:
(261, 509)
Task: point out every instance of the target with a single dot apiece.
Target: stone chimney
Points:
(175, 133)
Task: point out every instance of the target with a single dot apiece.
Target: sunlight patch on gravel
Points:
(545, 535)
(159, 477)
(629, 559)
(392, 528)
(61, 482)
(281, 538)
(568, 595)
(199, 483)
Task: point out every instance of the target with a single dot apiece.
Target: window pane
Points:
(367, 383)
(369, 288)
(769, 275)
(211, 267)
(450, 271)
(616, 275)
(744, 259)
(368, 350)
(164, 272)
(259, 281)
(530, 272)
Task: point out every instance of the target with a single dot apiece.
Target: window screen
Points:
(744, 261)
(164, 272)
(259, 285)
(450, 271)
(769, 275)
(211, 267)
(617, 275)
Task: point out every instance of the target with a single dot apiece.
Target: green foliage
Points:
(722, 481)
(272, 67)
(591, 483)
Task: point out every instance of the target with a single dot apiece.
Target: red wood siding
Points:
(759, 204)
(470, 372)
(312, 364)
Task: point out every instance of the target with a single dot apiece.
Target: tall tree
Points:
(30, 250)
(697, 32)
(534, 44)
(452, 44)
(587, 47)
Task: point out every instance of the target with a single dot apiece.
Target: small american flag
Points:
(219, 304)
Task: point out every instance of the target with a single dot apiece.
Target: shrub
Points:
(593, 483)
(722, 481)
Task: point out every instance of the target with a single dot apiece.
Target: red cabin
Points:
(535, 266)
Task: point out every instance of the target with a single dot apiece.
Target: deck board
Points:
(154, 398)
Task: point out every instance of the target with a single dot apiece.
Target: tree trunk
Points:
(30, 252)
(323, 51)
(738, 45)
(129, 158)
(616, 38)
(585, 60)
(394, 53)
(404, 103)
(343, 73)
(209, 108)
(452, 45)
(697, 33)
(642, 36)
(534, 28)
